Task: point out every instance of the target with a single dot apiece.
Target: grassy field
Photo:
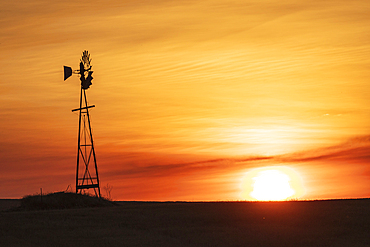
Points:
(310, 223)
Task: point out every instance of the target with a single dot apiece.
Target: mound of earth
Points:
(62, 200)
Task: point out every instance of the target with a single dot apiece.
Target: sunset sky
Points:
(190, 96)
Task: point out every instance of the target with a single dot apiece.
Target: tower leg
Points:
(78, 141)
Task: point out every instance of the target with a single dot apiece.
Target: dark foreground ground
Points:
(312, 223)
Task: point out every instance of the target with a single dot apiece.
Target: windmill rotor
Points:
(86, 60)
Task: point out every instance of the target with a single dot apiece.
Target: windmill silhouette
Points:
(87, 179)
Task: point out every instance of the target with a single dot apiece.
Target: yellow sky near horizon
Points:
(179, 82)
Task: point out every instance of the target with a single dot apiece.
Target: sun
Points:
(272, 184)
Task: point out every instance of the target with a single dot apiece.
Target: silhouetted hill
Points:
(62, 200)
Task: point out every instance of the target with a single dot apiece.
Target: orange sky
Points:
(190, 95)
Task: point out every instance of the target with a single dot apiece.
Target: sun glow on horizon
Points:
(272, 184)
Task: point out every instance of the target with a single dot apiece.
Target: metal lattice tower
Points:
(87, 177)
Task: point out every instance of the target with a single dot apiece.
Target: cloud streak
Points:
(320, 167)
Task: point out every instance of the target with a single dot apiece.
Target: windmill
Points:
(86, 178)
